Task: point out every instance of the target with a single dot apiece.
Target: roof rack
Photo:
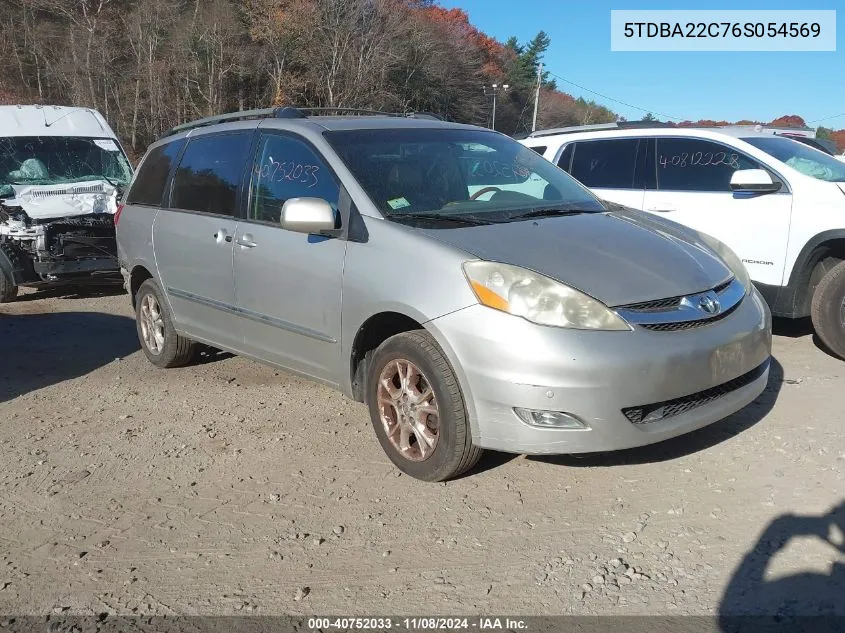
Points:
(619, 125)
(289, 112)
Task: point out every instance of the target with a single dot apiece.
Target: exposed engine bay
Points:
(55, 232)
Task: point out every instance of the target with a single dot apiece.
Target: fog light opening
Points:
(549, 419)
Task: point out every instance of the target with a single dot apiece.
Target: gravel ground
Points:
(227, 487)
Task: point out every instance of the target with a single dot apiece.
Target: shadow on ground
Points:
(39, 350)
(89, 291)
(751, 601)
(797, 328)
(669, 449)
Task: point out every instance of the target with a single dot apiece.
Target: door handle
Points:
(222, 236)
(663, 210)
(246, 241)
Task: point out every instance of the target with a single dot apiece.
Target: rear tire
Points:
(828, 310)
(162, 346)
(417, 408)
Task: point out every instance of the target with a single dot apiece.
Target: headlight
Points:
(537, 298)
(730, 258)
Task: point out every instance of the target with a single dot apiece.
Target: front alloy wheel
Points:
(408, 410)
(417, 408)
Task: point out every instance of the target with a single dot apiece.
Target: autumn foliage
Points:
(150, 65)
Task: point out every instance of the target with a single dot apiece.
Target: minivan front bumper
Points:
(629, 388)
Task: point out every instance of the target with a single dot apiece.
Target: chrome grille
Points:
(686, 312)
(670, 302)
(686, 325)
(659, 411)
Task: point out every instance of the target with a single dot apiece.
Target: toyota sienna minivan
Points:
(471, 293)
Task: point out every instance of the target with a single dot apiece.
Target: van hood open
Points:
(66, 200)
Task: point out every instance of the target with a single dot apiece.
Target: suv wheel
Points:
(828, 310)
(162, 346)
(417, 408)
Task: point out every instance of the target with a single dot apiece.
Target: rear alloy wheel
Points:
(417, 408)
(828, 310)
(162, 346)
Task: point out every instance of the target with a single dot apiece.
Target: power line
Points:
(835, 116)
(603, 96)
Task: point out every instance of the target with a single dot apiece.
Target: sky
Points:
(685, 85)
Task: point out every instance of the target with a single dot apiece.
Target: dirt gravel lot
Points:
(227, 487)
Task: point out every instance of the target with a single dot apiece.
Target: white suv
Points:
(778, 203)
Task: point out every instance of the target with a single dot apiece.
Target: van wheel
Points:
(8, 289)
(162, 346)
(828, 310)
(417, 408)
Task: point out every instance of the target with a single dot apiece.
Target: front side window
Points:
(148, 188)
(209, 174)
(607, 164)
(691, 164)
(55, 160)
(287, 168)
(453, 173)
(799, 156)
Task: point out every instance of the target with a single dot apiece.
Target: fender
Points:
(793, 299)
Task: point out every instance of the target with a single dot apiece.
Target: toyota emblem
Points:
(709, 304)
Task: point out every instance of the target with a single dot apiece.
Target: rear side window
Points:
(606, 164)
(540, 149)
(148, 188)
(691, 164)
(209, 174)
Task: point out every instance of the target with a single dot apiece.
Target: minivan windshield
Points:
(457, 176)
(53, 160)
(807, 160)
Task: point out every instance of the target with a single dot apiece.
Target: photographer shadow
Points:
(798, 602)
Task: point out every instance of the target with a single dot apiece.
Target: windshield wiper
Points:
(548, 213)
(114, 184)
(461, 219)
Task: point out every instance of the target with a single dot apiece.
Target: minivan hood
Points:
(617, 258)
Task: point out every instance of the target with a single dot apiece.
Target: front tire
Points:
(8, 289)
(417, 408)
(162, 346)
(828, 310)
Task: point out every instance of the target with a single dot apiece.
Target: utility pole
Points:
(537, 95)
(495, 90)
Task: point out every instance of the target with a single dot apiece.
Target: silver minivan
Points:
(472, 294)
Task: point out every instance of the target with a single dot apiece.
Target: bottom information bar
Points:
(105, 623)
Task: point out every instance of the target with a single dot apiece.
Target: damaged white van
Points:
(62, 171)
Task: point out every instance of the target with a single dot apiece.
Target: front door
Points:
(288, 284)
(193, 239)
(693, 188)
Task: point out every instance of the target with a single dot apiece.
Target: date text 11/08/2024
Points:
(416, 624)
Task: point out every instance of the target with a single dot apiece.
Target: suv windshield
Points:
(53, 160)
(807, 160)
(457, 174)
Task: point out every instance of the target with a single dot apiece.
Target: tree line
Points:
(148, 65)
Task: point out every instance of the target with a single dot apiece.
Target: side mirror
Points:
(754, 181)
(308, 215)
